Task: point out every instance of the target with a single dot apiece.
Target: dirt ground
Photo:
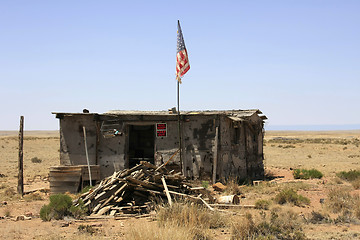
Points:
(328, 152)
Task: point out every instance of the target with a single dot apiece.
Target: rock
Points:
(65, 224)
(219, 187)
(60, 223)
(28, 214)
(20, 218)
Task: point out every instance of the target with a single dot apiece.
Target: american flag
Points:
(182, 60)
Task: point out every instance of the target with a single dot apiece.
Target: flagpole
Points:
(179, 126)
(182, 66)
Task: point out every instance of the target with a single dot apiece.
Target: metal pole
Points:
(179, 126)
(20, 187)
(87, 156)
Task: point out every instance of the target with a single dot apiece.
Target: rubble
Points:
(134, 191)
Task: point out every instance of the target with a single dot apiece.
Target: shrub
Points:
(78, 211)
(290, 196)
(317, 217)
(58, 207)
(337, 180)
(36, 160)
(340, 200)
(86, 189)
(45, 213)
(262, 204)
(350, 175)
(205, 184)
(307, 174)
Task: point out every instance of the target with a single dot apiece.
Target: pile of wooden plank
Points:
(135, 190)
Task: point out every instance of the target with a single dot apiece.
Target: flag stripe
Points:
(182, 60)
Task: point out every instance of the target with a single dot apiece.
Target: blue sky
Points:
(297, 61)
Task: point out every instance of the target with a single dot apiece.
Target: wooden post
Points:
(87, 156)
(215, 155)
(20, 187)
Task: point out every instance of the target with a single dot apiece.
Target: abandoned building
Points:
(215, 145)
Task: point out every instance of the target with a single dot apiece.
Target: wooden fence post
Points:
(20, 187)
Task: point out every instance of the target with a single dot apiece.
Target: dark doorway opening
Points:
(141, 144)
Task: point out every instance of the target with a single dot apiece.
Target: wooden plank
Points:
(113, 195)
(192, 197)
(148, 185)
(231, 206)
(166, 191)
(95, 173)
(103, 210)
(75, 178)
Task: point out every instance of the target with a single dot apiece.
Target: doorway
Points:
(141, 144)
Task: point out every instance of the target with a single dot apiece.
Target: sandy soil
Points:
(329, 158)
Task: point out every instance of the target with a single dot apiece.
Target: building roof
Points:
(235, 115)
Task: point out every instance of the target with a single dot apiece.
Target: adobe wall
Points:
(239, 145)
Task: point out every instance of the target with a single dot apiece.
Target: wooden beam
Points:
(192, 197)
(166, 191)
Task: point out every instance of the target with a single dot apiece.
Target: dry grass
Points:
(168, 231)
(318, 217)
(232, 187)
(325, 148)
(262, 204)
(41, 147)
(7, 211)
(190, 215)
(33, 197)
(340, 200)
(277, 225)
(8, 194)
(182, 220)
(356, 183)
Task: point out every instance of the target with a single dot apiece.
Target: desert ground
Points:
(328, 215)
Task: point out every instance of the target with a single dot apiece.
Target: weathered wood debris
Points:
(135, 190)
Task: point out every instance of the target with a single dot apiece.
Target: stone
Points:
(219, 187)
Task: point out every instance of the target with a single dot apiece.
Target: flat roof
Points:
(230, 113)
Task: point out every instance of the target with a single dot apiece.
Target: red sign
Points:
(161, 129)
(160, 126)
